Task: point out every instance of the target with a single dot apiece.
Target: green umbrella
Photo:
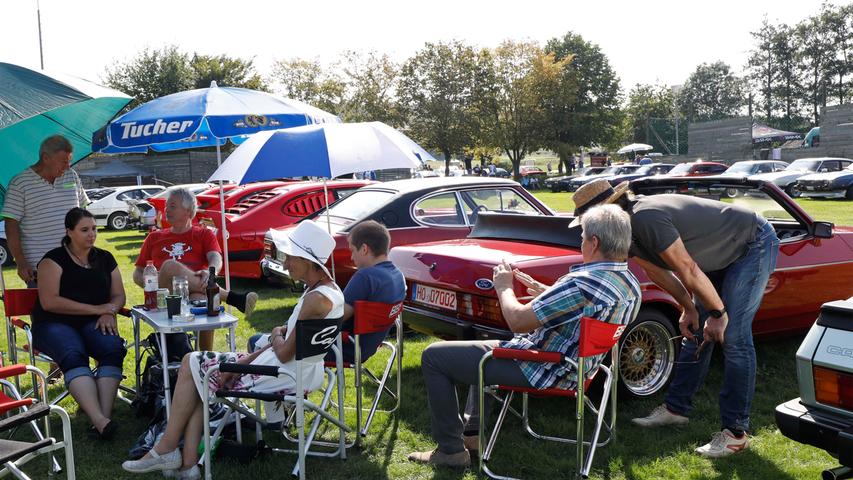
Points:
(35, 105)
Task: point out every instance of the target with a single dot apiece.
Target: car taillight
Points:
(483, 308)
(833, 388)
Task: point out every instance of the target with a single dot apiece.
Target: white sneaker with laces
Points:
(660, 416)
(723, 444)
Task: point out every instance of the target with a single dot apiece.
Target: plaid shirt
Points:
(606, 291)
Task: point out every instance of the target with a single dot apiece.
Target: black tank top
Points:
(84, 285)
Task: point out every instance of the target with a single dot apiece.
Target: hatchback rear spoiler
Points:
(531, 228)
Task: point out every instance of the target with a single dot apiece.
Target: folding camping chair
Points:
(20, 302)
(596, 337)
(372, 317)
(15, 453)
(313, 337)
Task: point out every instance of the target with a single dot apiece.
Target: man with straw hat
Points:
(714, 259)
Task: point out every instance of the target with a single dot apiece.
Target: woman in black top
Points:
(80, 291)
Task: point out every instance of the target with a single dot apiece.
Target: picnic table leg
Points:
(166, 387)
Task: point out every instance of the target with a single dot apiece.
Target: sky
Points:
(652, 41)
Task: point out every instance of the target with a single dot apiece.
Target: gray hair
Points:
(186, 198)
(612, 226)
(53, 144)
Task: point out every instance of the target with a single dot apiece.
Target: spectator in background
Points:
(571, 165)
(36, 202)
(646, 160)
(548, 167)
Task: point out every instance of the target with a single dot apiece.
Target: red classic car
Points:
(249, 219)
(451, 293)
(417, 210)
(697, 169)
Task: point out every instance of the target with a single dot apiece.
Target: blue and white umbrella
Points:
(204, 117)
(327, 151)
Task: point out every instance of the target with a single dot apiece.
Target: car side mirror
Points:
(822, 229)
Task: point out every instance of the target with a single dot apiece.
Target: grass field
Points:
(635, 454)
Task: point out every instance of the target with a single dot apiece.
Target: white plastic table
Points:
(162, 325)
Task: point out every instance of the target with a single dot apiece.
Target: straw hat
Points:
(596, 192)
(308, 240)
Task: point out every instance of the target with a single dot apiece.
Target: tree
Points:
(593, 118)
(226, 71)
(712, 92)
(307, 81)
(370, 88)
(644, 103)
(837, 21)
(152, 74)
(763, 65)
(437, 93)
(786, 53)
(527, 85)
(814, 38)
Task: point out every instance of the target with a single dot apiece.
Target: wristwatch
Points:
(717, 313)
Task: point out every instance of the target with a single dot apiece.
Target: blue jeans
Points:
(742, 288)
(71, 346)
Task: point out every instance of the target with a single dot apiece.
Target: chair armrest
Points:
(124, 311)
(527, 355)
(33, 413)
(13, 370)
(17, 322)
(248, 369)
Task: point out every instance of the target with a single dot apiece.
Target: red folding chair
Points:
(20, 302)
(596, 338)
(373, 317)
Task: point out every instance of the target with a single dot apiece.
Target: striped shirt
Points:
(40, 208)
(605, 291)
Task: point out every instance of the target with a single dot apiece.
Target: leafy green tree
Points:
(838, 22)
(788, 86)
(226, 71)
(594, 117)
(152, 74)
(370, 81)
(815, 53)
(309, 82)
(712, 92)
(646, 102)
(527, 87)
(763, 66)
(437, 95)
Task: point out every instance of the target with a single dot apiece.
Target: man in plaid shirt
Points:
(602, 288)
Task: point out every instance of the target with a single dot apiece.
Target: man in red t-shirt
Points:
(188, 250)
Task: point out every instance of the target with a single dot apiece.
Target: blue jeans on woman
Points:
(742, 289)
(71, 346)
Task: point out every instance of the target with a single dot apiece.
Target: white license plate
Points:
(436, 297)
(809, 188)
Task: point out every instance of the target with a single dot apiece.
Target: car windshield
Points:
(680, 168)
(644, 170)
(359, 204)
(741, 168)
(626, 169)
(801, 165)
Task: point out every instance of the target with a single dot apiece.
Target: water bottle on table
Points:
(150, 283)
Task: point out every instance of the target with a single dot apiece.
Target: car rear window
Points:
(359, 204)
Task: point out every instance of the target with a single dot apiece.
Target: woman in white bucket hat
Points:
(308, 247)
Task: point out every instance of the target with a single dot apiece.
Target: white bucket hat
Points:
(308, 240)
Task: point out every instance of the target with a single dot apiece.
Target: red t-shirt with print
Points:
(189, 248)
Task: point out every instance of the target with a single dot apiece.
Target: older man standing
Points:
(187, 250)
(36, 203)
(601, 287)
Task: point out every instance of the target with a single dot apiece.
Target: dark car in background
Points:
(828, 184)
(416, 210)
(561, 184)
(649, 170)
(697, 169)
(608, 172)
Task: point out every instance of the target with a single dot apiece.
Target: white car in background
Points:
(5, 256)
(109, 205)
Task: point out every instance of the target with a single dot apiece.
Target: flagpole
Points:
(38, 16)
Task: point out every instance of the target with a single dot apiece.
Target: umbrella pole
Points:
(224, 229)
(329, 223)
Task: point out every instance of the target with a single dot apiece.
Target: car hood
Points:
(828, 175)
(780, 177)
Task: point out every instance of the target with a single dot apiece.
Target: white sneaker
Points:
(660, 416)
(251, 300)
(723, 444)
(156, 462)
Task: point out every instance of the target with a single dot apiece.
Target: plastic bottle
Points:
(212, 292)
(151, 283)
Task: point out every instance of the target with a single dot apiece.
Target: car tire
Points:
(647, 354)
(849, 194)
(731, 193)
(117, 221)
(792, 190)
(5, 256)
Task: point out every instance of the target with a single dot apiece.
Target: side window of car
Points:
(830, 166)
(440, 210)
(151, 191)
(503, 200)
(778, 167)
(765, 168)
(130, 195)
